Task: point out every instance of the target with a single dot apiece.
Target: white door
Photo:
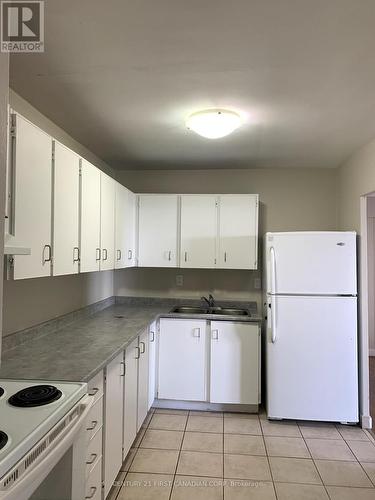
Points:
(234, 363)
(157, 230)
(311, 263)
(238, 231)
(107, 222)
(130, 226)
(65, 211)
(312, 358)
(114, 401)
(152, 364)
(90, 217)
(143, 377)
(120, 229)
(130, 396)
(33, 188)
(182, 360)
(198, 231)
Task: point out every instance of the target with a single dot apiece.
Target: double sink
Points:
(219, 311)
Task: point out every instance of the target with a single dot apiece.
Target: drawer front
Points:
(94, 483)
(96, 386)
(94, 451)
(95, 418)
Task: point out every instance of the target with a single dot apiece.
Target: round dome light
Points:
(214, 123)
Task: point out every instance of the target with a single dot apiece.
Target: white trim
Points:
(364, 383)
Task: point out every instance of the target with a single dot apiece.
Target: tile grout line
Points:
(178, 457)
(268, 460)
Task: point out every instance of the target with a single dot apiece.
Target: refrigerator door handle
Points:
(273, 319)
(273, 270)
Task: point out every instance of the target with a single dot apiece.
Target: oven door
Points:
(59, 472)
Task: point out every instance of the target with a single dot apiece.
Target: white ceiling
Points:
(121, 76)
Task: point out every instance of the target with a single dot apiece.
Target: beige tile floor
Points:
(182, 455)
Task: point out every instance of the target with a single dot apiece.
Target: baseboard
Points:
(366, 422)
(202, 406)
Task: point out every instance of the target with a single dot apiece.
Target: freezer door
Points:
(312, 371)
(320, 263)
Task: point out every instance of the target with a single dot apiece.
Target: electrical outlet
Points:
(179, 280)
(257, 284)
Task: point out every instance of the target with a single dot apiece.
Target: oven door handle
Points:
(21, 488)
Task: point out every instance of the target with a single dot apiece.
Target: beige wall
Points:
(291, 199)
(32, 301)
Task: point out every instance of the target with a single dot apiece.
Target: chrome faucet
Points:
(210, 301)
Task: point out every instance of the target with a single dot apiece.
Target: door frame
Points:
(363, 340)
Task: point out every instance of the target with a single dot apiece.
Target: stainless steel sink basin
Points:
(223, 311)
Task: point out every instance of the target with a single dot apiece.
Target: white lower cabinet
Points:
(94, 482)
(114, 394)
(130, 396)
(182, 359)
(152, 341)
(143, 381)
(235, 350)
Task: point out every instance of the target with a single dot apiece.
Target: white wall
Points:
(291, 199)
(29, 302)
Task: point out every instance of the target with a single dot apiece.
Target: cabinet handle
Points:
(169, 255)
(185, 256)
(94, 457)
(198, 334)
(138, 355)
(49, 258)
(94, 424)
(215, 334)
(123, 369)
(76, 257)
(98, 254)
(143, 347)
(94, 391)
(118, 254)
(93, 491)
(105, 254)
(152, 339)
(130, 254)
(225, 256)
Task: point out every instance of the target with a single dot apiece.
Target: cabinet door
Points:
(114, 401)
(107, 222)
(152, 364)
(130, 216)
(120, 230)
(157, 230)
(143, 374)
(33, 188)
(182, 359)
(90, 217)
(65, 211)
(238, 231)
(130, 396)
(234, 363)
(198, 231)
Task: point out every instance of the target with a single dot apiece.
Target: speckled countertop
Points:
(78, 351)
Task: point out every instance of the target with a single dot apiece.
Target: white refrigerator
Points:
(311, 302)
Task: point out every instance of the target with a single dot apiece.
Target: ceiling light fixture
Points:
(214, 123)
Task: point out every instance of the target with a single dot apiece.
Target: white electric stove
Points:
(39, 423)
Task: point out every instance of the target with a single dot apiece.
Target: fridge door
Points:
(320, 263)
(312, 371)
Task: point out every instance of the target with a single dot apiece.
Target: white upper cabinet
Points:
(121, 196)
(130, 225)
(65, 211)
(198, 231)
(157, 230)
(90, 217)
(32, 154)
(238, 231)
(107, 222)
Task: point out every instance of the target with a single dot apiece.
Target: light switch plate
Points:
(179, 280)
(257, 284)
